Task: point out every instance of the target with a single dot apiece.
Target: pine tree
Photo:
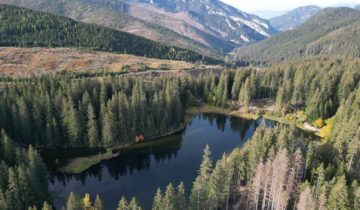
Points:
(338, 197)
(199, 193)
(74, 202)
(70, 123)
(236, 85)
(280, 98)
(222, 90)
(46, 206)
(7, 148)
(356, 201)
(98, 204)
(13, 192)
(306, 201)
(245, 94)
(168, 201)
(39, 176)
(24, 121)
(157, 203)
(133, 204)
(92, 128)
(217, 185)
(24, 187)
(123, 204)
(3, 176)
(180, 203)
(3, 204)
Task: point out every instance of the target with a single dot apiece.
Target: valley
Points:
(178, 104)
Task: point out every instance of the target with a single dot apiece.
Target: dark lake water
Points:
(171, 159)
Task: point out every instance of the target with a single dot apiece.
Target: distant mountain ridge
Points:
(207, 26)
(294, 18)
(333, 32)
(219, 19)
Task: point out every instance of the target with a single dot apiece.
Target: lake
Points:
(139, 172)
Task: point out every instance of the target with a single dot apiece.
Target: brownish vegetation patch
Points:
(25, 62)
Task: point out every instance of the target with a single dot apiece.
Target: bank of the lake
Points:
(79, 164)
(139, 169)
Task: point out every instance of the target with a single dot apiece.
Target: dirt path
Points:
(307, 126)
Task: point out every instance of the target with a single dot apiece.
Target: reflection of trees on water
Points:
(242, 126)
(129, 161)
(140, 159)
(220, 120)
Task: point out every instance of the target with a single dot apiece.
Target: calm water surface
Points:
(171, 159)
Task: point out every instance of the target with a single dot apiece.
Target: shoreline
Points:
(78, 165)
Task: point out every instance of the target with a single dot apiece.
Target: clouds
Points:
(257, 5)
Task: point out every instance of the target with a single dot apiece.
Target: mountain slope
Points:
(27, 28)
(294, 18)
(215, 17)
(88, 12)
(209, 27)
(332, 32)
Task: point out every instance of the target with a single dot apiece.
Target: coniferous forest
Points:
(305, 81)
(277, 168)
(27, 28)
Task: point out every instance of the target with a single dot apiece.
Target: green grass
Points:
(81, 164)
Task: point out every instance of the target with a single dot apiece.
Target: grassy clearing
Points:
(81, 164)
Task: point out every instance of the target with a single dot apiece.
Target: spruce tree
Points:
(7, 151)
(13, 192)
(46, 206)
(133, 204)
(338, 197)
(123, 204)
(157, 203)
(245, 94)
(3, 204)
(39, 175)
(92, 128)
(98, 204)
(169, 198)
(356, 201)
(180, 202)
(222, 90)
(199, 192)
(74, 202)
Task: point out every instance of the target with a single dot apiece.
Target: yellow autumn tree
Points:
(319, 123)
(326, 130)
(87, 201)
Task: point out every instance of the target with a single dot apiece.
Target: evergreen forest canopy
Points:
(21, 27)
(54, 111)
(332, 32)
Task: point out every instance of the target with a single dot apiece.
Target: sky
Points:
(279, 5)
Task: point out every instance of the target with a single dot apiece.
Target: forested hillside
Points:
(26, 28)
(60, 111)
(332, 32)
(115, 17)
(207, 27)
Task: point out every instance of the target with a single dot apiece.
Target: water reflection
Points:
(138, 172)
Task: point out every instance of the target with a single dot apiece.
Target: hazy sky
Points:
(276, 5)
